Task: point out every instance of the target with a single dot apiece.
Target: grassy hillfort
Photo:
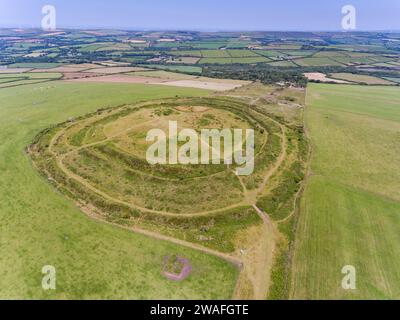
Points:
(99, 161)
(79, 194)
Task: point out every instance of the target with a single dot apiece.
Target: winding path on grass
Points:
(230, 258)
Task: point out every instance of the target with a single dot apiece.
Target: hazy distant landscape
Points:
(78, 192)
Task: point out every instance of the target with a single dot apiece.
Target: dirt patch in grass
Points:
(200, 83)
(317, 76)
(78, 75)
(192, 109)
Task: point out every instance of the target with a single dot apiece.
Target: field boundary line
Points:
(309, 173)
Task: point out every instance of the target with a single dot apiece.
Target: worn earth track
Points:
(232, 259)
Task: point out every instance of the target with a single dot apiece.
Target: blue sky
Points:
(204, 14)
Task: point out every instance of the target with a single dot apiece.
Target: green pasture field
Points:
(269, 53)
(317, 62)
(233, 60)
(22, 46)
(187, 53)
(193, 44)
(189, 69)
(207, 44)
(38, 65)
(286, 46)
(250, 60)
(382, 64)
(31, 75)
(329, 54)
(41, 227)
(115, 47)
(9, 79)
(95, 46)
(238, 44)
(358, 78)
(216, 61)
(215, 54)
(396, 80)
(349, 214)
(13, 79)
(242, 53)
(20, 82)
(52, 55)
(381, 59)
(357, 60)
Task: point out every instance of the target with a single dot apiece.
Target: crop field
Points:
(349, 212)
(40, 226)
(269, 53)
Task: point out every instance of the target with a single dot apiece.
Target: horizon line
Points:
(139, 29)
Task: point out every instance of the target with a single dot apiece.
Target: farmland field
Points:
(349, 212)
(188, 69)
(227, 60)
(40, 227)
(360, 78)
